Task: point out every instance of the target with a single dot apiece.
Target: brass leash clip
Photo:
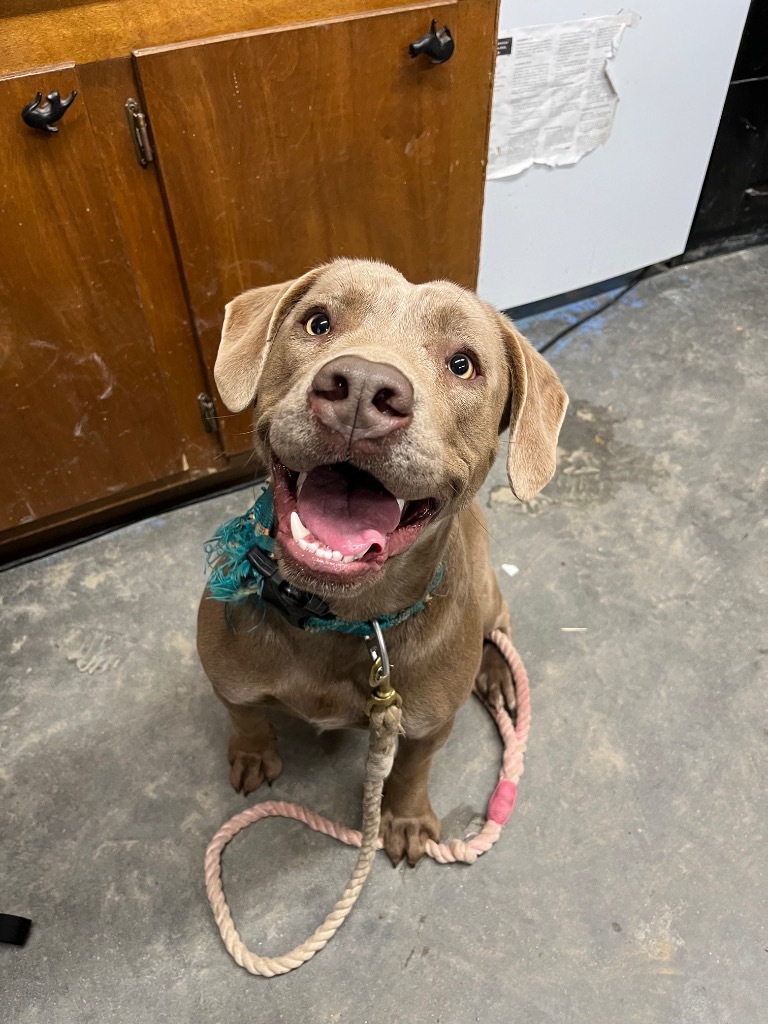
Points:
(383, 694)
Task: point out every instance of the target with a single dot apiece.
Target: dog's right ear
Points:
(250, 323)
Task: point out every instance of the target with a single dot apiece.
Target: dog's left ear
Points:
(534, 413)
(250, 323)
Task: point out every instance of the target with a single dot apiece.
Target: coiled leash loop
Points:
(384, 709)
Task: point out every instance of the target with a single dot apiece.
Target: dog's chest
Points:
(337, 704)
(326, 683)
(325, 701)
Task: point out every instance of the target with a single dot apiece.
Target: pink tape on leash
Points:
(502, 803)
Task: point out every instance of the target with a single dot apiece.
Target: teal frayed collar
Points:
(234, 578)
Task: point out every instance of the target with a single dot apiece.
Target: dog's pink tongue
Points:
(347, 512)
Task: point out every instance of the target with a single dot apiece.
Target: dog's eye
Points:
(318, 323)
(461, 366)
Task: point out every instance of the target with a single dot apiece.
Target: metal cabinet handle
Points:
(438, 46)
(43, 116)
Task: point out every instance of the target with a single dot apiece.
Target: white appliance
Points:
(631, 202)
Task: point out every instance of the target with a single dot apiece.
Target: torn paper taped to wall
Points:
(553, 98)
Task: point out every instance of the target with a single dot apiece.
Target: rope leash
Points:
(383, 732)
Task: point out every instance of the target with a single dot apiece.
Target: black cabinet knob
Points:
(438, 46)
(43, 116)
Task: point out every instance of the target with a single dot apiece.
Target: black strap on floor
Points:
(13, 929)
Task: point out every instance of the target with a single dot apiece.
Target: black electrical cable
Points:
(600, 309)
(14, 929)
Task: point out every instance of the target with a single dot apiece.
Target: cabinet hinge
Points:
(208, 413)
(138, 125)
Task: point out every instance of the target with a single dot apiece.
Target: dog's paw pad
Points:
(408, 836)
(248, 770)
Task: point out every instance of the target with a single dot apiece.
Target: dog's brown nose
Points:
(360, 399)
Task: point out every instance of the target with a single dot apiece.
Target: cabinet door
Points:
(84, 412)
(279, 149)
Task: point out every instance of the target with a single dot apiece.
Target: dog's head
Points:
(379, 404)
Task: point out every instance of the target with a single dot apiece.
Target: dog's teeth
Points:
(325, 553)
(300, 483)
(298, 529)
(336, 556)
(401, 503)
(354, 558)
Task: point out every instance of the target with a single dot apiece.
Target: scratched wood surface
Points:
(84, 411)
(139, 206)
(280, 149)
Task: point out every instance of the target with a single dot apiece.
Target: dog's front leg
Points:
(252, 748)
(407, 818)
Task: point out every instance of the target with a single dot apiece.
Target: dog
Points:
(378, 406)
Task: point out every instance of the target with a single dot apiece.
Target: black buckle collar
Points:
(297, 606)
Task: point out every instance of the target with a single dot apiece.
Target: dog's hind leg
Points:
(494, 678)
(252, 750)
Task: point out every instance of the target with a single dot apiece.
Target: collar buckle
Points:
(297, 606)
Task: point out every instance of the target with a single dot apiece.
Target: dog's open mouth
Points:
(340, 521)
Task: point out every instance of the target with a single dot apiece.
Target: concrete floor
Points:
(631, 883)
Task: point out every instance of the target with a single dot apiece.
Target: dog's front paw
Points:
(407, 837)
(494, 680)
(250, 768)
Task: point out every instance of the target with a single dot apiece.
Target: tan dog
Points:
(378, 405)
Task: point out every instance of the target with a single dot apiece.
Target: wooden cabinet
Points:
(85, 411)
(275, 149)
(284, 148)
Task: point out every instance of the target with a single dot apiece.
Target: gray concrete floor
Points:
(630, 885)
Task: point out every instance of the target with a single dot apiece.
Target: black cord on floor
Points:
(600, 309)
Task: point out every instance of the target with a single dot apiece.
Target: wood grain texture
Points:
(121, 508)
(281, 149)
(34, 33)
(139, 206)
(84, 411)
